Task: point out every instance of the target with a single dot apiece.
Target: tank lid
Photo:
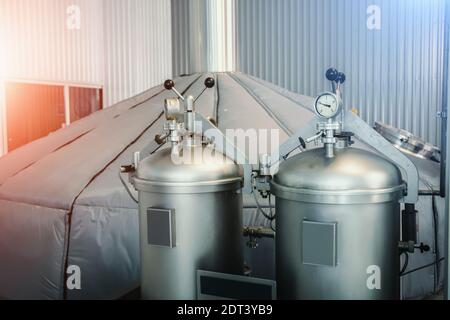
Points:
(352, 175)
(408, 143)
(197, 167)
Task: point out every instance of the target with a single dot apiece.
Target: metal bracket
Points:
(367, 134)
(210, 131)
(293, 142)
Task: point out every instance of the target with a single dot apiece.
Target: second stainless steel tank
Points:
(338, 225)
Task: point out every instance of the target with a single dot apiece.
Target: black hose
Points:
(272, 226)
(405, 264)
(436, 242)
(437, 259)
(429, 193)
(269, 216)
(272, 214)
(423, 267)
(158, 147)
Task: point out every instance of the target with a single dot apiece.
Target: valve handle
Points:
(335, 76)
(341, 78)
(302, 142)
(160, 139)
(210, 82)
(423, 247)
(169, 84)
(314, 138)
(332, 74)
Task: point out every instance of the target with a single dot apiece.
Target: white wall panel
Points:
(394, 73)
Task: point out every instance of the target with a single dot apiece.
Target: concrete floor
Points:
(438, 296)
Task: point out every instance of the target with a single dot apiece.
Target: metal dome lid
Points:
(353, 175)
(197, 169)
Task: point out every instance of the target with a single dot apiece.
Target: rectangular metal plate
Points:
(213, 285)
(161, 227)
(319, 241)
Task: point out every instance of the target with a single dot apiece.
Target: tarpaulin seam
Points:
(278, 90)
(143, 102)
(32, 204)
(66, 253)
(262, 104)
(51, 152)
(100, 206)
(88, 131)
(66, 258)
(61, 147)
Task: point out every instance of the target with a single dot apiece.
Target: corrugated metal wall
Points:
(190, 36)
(122, 45)
(203, 36)
(180, 37)
(138, 46)
(220, 23)
(394, 73)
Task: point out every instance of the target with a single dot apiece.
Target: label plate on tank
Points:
(319, 243)
(161, 227)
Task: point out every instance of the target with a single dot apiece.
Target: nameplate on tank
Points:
(161, 230)
(319, 243)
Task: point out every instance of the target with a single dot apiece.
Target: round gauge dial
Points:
(327, 105)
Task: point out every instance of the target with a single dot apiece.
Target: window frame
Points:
(66, 89)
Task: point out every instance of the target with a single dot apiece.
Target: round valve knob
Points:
(332, 74)
(210, 82)
(169, 84)
(302, 142)
(160, 139)
(341, 78)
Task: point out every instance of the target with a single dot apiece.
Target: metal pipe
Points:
(190, 116)
(444, 149)
(258, 232)
(329, 150)
(445, 89)
(429, 193)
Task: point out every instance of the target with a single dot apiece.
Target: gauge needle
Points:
(326, 105)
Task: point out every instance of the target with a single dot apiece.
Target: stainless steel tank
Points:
(190, 219)
(338, 225)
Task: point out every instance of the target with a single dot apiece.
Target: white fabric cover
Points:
(62, 203)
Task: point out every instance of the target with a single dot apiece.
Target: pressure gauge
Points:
(328, 105)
